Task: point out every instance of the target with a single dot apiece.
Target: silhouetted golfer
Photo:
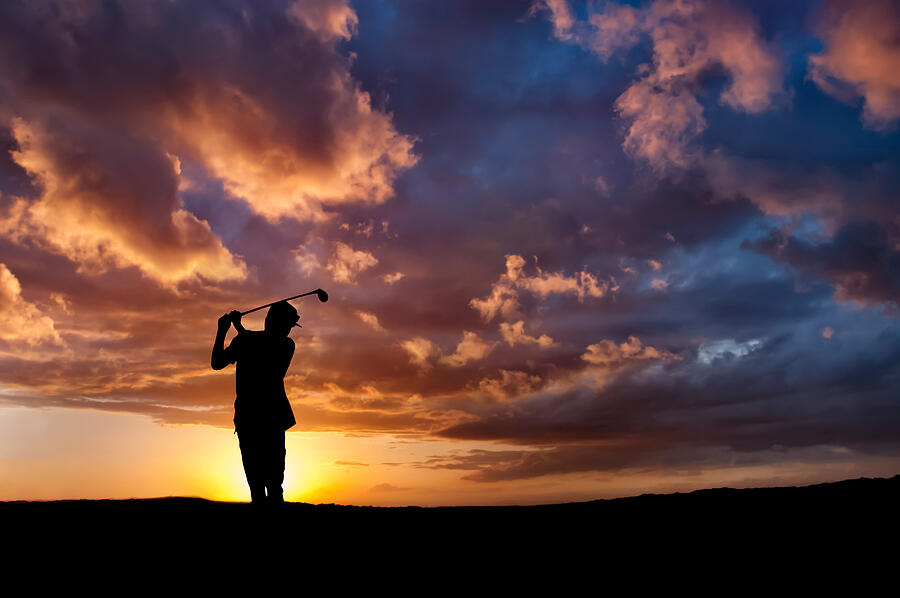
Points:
(262, 411)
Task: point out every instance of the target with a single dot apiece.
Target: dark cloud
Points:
(771, 398)
(862, 260)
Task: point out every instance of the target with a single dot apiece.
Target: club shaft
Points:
(244, 313)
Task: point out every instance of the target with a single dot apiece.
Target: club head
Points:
(322, 295)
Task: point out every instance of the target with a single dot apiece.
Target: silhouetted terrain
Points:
(724, 517)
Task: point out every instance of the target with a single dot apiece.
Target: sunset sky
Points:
(574, 249)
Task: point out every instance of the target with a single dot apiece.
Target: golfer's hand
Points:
(235, 317)
(225, 323)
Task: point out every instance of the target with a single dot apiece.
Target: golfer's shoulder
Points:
(243, 336)
(245, 339)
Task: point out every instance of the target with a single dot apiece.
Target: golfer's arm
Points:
(289, 355)
(217, 359)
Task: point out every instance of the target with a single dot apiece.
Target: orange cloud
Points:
(267, 162)
(392, 278)
(510, 384)
(503, 298)
(419, 349)
(23, 323)
(470, 348)
(104, 146)
(862, 51)
(514, 334)
(112, 202)
(371, 320)
(346, 263)
(608, 354)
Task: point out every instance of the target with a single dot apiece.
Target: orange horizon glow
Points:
(86, 454)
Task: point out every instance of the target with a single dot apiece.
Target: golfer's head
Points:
(281, 318)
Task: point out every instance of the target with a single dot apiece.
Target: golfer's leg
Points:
(253, 468)
(275, 464)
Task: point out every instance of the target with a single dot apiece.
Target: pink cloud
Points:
(560, 15)
(690, 38)
(860, 58)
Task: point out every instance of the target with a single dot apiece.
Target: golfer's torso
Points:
(260, 398)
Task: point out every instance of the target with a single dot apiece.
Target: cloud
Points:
(728, 349)
(107, 200)
(861, 260)
(778, 191)
(367, 399)
(690, 38)
(470, 348)
(657, 284)
(510, 384)
(692, 41)
(496, 466)
(514, 334)
(306, 256)
(560, 15)
(346, 263)
(371, 320)
(208, 82)
(23, 323)
(387, 488)
(617, 28)
(419, 349)
(861, 52)
(329, 18)
(606, 353)
(392, 278)
(503, 298)
(755, 408)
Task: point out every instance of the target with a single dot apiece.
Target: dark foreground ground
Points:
(768, 527)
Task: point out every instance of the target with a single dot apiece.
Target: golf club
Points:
(322, 295)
